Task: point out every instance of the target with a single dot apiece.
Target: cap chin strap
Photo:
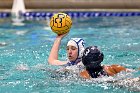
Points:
(74, 62)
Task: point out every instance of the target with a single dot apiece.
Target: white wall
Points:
(75, 4)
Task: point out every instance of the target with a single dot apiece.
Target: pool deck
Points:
(75, 4)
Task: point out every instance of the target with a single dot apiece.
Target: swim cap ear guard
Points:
(92, 57)
(78, 43)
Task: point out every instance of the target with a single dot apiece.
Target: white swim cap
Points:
(78, 43)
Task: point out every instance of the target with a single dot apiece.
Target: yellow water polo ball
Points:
(60, 23)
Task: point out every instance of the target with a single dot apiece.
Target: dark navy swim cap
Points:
(92, 57)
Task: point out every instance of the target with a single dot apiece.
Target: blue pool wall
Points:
(45, 15)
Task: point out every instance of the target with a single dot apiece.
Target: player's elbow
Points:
(50, 61)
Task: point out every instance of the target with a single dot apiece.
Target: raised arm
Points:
(53, 57)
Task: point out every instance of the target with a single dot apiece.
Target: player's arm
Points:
(114, 69)
(118, 68)
(53, 57)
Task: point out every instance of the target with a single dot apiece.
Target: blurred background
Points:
(75, 4)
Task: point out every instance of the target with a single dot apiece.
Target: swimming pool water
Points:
(24, 51)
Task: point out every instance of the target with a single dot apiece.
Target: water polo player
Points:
(92, 59)
(75, 48)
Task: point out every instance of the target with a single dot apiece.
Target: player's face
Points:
(72, 53)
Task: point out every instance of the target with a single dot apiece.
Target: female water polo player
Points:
(75, 48)
(92, 58)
